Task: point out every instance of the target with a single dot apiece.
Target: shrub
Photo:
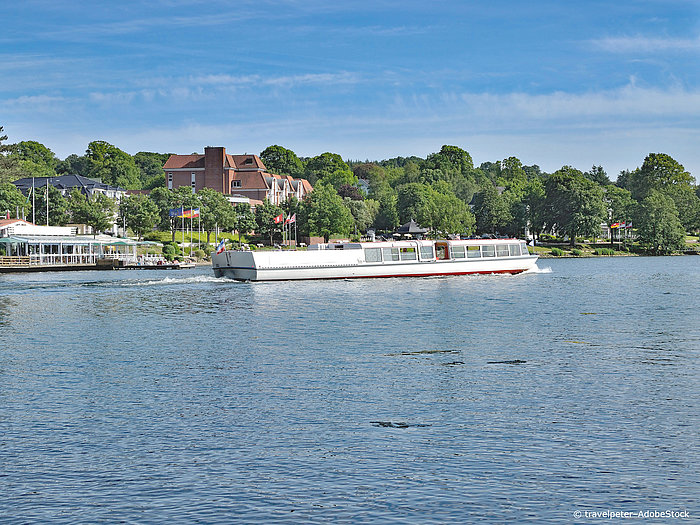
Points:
(199, 254)
(577, 252)
(604, 251)
(557, 252)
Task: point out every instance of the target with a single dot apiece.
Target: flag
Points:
(279, 218)
(628, 225)
(292, 219)
(191, 213)
(176, 212)
(615, 225)
(8, 214)
(220, 248)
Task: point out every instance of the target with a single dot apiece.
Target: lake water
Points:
(171, 396)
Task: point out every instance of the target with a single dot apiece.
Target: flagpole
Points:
(47, 201)
(33, 203)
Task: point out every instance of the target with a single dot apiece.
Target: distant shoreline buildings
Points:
(234, 176)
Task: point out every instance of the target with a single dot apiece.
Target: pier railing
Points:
(7, 260)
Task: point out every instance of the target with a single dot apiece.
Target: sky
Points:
(553, 83)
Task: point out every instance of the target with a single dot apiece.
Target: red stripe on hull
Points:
(441, 274)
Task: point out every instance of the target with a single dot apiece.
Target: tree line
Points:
(444, 192)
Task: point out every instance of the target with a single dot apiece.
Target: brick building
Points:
(243, 175)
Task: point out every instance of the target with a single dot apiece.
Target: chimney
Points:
(214, 168)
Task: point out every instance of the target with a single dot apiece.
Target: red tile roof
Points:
(184, 161)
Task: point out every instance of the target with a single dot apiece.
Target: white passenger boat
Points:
(415, 258)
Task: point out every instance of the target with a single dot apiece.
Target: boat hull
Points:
(302, 265)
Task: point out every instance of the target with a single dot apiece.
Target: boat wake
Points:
(537, 269)
(197, 279)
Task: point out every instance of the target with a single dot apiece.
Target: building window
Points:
(194, 181)
(235, 183)
(170, 180)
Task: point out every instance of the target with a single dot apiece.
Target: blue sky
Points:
(551, 82)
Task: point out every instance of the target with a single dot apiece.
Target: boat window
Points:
(473, 252)
(458, 252)
(523, 248)
(390, 254)
(426, 252)
(488, 251)
(441, 252)
(373, 255)
(408, 254)
(514, 250)
(502, 250)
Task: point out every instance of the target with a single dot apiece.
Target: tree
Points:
(658, 228)
(139, 213)
(282, 161)
(10, 169)
(450, 158)
(163, 198)
(351, 192)
(534, 206)
(325, 213)
(388, 214)
(58, 206)
(215, 211)
(112, 165)
(573, 205)
(266, 226)
(74, 165)
(245, 219)
(32, 151)
(340, 178)
(150, 166)
(620, 205)
(492, 211)
(452, 215)
(322, 165)
(12, 200)
(96, 211)
(363, 212)
(415, 201)
(597, 174)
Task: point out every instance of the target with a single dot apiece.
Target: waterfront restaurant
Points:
(26, 244)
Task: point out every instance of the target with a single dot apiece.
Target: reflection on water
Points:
(157, 396)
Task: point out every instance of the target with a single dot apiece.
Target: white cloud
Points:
(644, 44)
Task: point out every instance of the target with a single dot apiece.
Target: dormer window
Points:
(249, 160)
(236, 183)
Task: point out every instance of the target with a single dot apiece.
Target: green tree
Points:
(322, 165)
(363, 212)
(12, 200)
(10, 169)
(57, 203)
(534, 206)
(139, 213)
(387, 218)
(415, 201)
(659, 230)
(282, 161)
(620, 205)
(573, 205)
(150, 166)
(325, 213)
(112, 165)
(163, 198)
(597, 174)
(74, 165)
(37, 153)
(96, 211)
(493, 213)
(245, 219)
(450, 158)
(340, 178)
(215, 211)
(452, 215)
(266, 226)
